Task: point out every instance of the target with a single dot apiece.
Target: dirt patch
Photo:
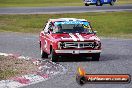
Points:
(12, 67)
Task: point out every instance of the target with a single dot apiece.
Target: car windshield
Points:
(72, 27)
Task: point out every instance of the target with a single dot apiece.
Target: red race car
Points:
(69, 37)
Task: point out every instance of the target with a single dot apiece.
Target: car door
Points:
(44, 33)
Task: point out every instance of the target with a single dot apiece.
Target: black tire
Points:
(86, 4)
(112, 2)
(98, 3)
(53, 56)
(43, 54)
(96, 57)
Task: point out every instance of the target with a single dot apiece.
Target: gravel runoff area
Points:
(10, 66)
(18, 71)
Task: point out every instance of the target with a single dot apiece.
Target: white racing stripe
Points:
(80, 37)
(66, 38)
(73, 37)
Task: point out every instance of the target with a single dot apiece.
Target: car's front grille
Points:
(78, 45)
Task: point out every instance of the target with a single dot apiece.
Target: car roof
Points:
(66, 19)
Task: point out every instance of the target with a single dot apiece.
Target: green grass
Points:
(19, 3)
(124, 2)
(39, 3)
(116, 24)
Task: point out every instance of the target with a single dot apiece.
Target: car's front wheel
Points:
(43, 54)
(53, 56)
(96, 57)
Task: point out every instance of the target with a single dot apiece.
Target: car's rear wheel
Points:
(112, 2)
(53, 56)
(96, 57)
(86, 4)
(98, 3)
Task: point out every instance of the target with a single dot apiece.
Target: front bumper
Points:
(77, 51)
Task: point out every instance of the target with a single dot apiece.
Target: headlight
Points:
(61, 45)
(97, 44)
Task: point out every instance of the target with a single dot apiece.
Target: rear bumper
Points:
(89, 3)
(77, 51)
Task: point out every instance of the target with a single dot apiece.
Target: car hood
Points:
(75, 37)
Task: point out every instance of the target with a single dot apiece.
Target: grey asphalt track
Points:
(58, 10)
(116, 58)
